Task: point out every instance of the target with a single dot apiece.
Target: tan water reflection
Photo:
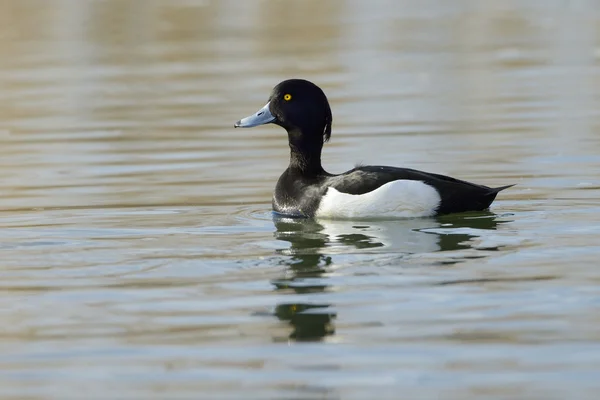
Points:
(139, 257)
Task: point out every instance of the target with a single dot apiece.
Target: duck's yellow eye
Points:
(287, 97)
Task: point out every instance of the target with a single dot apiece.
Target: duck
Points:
(306, 190)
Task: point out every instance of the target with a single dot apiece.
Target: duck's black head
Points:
(302, 109)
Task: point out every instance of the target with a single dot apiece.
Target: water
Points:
(139, 255)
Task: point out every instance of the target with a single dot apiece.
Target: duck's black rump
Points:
(456, 195)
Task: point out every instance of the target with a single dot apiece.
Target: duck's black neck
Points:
(305, 154)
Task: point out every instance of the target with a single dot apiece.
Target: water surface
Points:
(140, 258)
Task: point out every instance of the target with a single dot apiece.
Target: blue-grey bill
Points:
(262, 116)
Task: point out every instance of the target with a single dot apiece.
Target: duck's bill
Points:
(262, 116)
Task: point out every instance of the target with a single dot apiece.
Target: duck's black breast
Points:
(300, 196)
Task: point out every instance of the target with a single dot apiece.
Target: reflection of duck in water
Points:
(310, 321)
(312, 239)
(305, 189)
(314, 245)
(306, 264)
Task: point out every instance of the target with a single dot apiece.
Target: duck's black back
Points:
(456, 195)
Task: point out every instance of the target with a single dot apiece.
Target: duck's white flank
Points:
(396, 199)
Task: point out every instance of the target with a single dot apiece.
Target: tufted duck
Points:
(305, 189)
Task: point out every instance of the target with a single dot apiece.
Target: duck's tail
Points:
(501, 188)
(491, 196)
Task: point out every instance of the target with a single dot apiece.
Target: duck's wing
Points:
(456, 195)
